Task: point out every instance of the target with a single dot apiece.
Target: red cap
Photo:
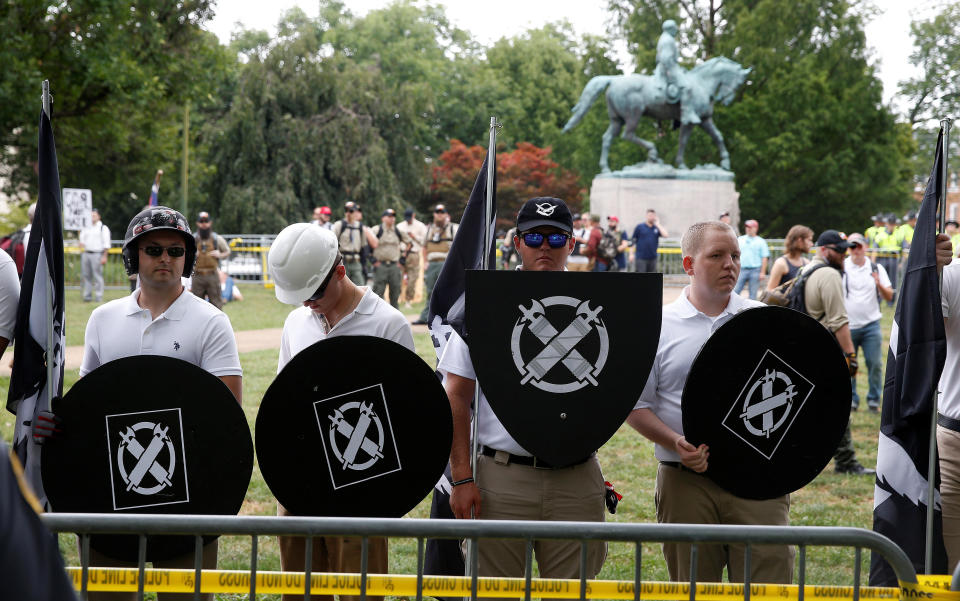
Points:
(613, 218)
(325, 211)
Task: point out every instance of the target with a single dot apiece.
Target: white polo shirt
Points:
(372, 317)
(95, 238)
(9, 295)
(490, 432)
(191, 329)
(950, 377)
(683, 332)
(860, 292)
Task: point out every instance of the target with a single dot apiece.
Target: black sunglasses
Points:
(439, 211)
(203, 220)
(535, 240)
(156, 251)
(326, 282)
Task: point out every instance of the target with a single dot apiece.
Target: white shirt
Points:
(683, 332)
(190, 329)
(9, 295)
(490, 432)
(417, 232)
(950, 378)
(372, 317)
(860, 292)
(95, 238)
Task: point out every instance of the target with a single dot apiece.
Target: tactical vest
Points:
(206, 263)
(439, 241)
(388, 247)
(350, 239)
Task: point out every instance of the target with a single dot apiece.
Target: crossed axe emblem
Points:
(147, 458)
(559, 346)
(357, 436)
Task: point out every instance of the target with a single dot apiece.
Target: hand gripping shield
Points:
(562, 357)
(177, 442)
(769, 393)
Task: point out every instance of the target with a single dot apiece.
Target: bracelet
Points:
(464, 481)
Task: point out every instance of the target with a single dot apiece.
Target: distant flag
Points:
(447, 312)
(914, 362)
(155, 189)
(39, 334)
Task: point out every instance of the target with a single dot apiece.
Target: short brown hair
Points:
(693, 237)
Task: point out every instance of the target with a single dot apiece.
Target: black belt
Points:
(948, 422)
(680, 466)
(529, 461)
(387, 262)
(93, 252)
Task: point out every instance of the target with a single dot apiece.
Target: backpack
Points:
(12, 244)
(607, 247)
(790, 294)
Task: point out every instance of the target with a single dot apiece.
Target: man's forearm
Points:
(843, 337)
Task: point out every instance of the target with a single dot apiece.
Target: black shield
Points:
(148, 434)
(353, 426)
(769, 394)
(562, 357)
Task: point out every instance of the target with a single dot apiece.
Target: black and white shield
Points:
(769, 394)
(353, 426)
(148, 434)
(562, 356)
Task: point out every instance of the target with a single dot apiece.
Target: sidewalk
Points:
(259, 340)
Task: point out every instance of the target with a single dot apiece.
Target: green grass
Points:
(627, 459)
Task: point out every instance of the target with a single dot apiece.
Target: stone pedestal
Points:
(680, 197)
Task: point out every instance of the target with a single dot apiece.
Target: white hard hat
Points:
(299, 260)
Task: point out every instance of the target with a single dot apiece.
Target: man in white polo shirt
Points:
(95, 244)
(948, 418)
(865, 284)
(512, 484)
(307, 269)
(162, 318)
(711, 257)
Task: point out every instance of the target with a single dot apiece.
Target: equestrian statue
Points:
(670, 94)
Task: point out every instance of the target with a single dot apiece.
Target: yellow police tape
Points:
(229, 581)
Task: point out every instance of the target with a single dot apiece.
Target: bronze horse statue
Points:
(631, 97)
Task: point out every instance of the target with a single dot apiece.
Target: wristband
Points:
(464, 481)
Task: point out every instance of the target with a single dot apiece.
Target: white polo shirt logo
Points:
(561, 359)
(768, 404)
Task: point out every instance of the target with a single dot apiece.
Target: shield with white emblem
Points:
(353, 426)
(148, 434)
(769, 394)
(561, 356)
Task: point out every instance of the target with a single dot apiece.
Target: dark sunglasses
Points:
(439, 211)
(326, 282)
(203, 221)
(535, 240)
(156, 251)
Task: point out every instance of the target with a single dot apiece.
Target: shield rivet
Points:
(563, 416)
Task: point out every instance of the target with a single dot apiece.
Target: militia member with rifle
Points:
(308, 270)
(516, 484)
(711, 257)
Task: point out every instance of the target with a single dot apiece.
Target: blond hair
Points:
(693, 237)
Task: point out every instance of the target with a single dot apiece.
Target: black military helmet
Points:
(153, 219)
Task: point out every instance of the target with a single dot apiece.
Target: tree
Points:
(935, 92)
(120, 74)
(522, 174)
(809, 138)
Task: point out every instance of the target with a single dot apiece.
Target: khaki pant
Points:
(98, 560)
(948, 445)
(683, 497)
(355, 272)
(519, 492)
(578, 266)
(412, 270)
(331, 554)
(207, 285)
(388, 274)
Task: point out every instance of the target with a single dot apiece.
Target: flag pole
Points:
(484, 264)
(932, 455)
(47, 102)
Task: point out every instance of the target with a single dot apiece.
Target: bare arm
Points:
(843, 337)
(763, 268)
(886, 292)
(464, 499)
(663, 230)
(235, 384)
(651, 427)
(371, 239)
(776, 273)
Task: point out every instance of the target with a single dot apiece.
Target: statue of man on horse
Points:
(670, 94)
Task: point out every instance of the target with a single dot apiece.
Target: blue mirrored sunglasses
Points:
(535, 240)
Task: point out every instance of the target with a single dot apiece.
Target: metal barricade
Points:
(420, 529)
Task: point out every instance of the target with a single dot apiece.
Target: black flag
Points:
(914, 362)
(39, 332)
(447, 313)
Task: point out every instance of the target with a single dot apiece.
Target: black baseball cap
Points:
(408, 213)
(544, 210)
(833, 239)
(389, 213)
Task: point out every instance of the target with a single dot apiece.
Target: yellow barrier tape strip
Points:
(934, 588)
